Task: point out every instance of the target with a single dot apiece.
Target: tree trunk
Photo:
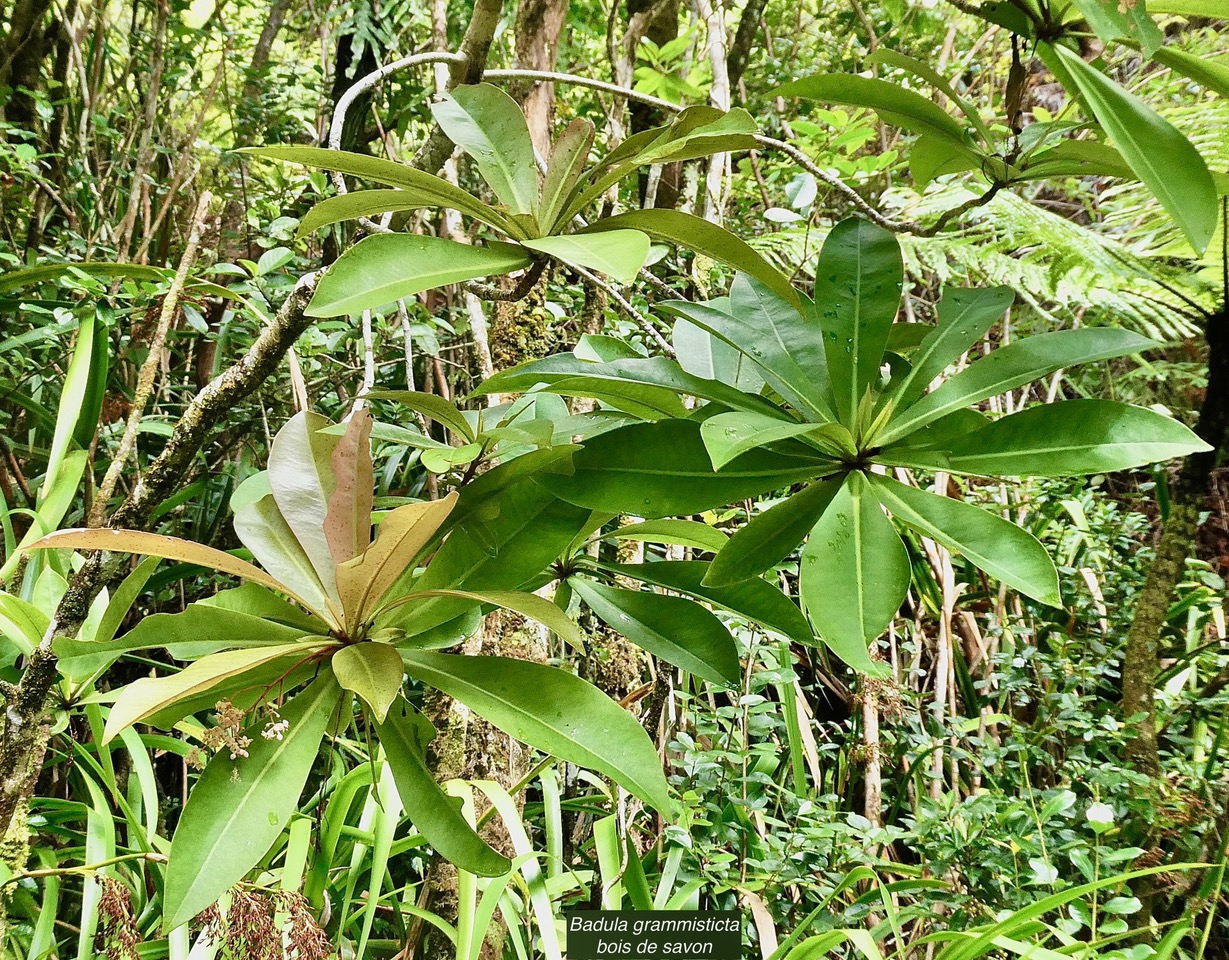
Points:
(538, 25)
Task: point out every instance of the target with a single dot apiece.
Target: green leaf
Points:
(405, 735)
(149, 695)
(53, 505)
(1072, 438)
(617, 253)
(964, 317)
(997, 546)
(924, 71)
(528, 605)
(675, 629)
(552, 710)
(432, 406)
(704, 355)
(686, 533)
(663, 469)
(443, 193)
(77, 384)
(785, 346)
(729, 435)
(932, 157)
(768, 537)
(1165, 160)
(1187, 8)
(1013, 366)
(896, 105)
(701, 236)
(378, 270)
(857, 293)
(239, 807)
(1113, 20)
(1207, 72)
(371, 670)
(755, 599)
(854, 575)
(647, 386)
(488, 125)
(362, 203)
(564, 171)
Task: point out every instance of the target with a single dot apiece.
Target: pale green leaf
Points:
(371, 670)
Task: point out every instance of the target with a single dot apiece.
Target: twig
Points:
(641, 320)
(149, 369)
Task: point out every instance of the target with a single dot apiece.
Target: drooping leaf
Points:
(239, 807)
(857, 293)
(1205, 71)
(663, 469)
(896, 105)
(755, 599)
(964, 317)
(1013, 366)
(528, 605)
(617, 253)
(769, 537)
(552, 710)
(156, 545)
(1165, 160)
(699, 235)
(489, 126)
(997, 546)
(1112, 20)
(675, 629)
(854, 573)
(405, 735)
(704, 355)
(347, 521)
(1072, 438)
(428, 185)
(686, 533)
(147, 696)
(400, 538)
(371, 670)
(362, 203)
(380, 269)
(430, 405)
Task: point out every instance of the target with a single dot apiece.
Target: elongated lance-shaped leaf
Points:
(149, 695)
(704, 355)
(617, 253)
(405, 735)
(552, 710)
(897, 106)
(347, 521)
(1013, 366)
(663, 469)
(373, 671)
(1165, 160)
(401, 537)
(855, 573)
(567, 162)
(528, 605)
(729, 435)
(302, 480)
(700, 236)
(360, 203)
(432, 406)
(997, 546)
(756, 599)
(263, 529)
(675, 629)
(239, 807)
(685, 533)
(768, 537)
(857, 293)
(785, 347)
(159, 545)
(378, 270)
(428, 185)
(488, 125)
(964, 317)
(1072, 438)
(660, 376)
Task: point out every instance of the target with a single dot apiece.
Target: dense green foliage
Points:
(774, 464)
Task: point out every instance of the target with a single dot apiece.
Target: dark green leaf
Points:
(896, 105)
